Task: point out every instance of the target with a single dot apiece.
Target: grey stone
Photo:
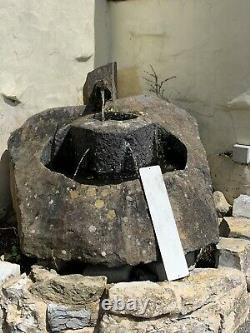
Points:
(109, 224)
(23, 312)
(223, 208)
(61, 318)
(241, 206)
(235, 253)
(8, 270)
(17, 288)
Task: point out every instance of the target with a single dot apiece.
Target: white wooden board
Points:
(164, 223)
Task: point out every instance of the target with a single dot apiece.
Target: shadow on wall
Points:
(5, 197)
(128, 82)
(128, 77)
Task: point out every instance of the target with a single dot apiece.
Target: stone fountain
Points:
(75, 183)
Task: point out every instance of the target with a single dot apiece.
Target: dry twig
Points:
(155, 85)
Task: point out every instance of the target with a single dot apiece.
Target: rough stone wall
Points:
(47, 48)
(208, 301)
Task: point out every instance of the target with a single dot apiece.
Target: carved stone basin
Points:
(76, 188)
(96, 152)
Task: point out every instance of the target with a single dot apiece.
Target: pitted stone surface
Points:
(61, 218)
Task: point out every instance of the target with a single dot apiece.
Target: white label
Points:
(164, 223)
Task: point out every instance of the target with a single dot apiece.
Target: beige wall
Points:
(47, 48)
(205, 43)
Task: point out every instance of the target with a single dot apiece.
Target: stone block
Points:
(72, 291)
(40, 274)
(61, 318)
(64, 302)
(231, 178)
(8, 270)
(235, 227)
(222, 206)
(235, 253)
(241, 206)
(150, 299)
(209, 300)
(241, 154)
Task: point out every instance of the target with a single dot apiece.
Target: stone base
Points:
(209, 300)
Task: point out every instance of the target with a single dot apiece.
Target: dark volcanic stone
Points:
(91, 151)
(97, 217)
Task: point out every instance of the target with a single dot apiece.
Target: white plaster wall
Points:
(205, 43)
(47, 48)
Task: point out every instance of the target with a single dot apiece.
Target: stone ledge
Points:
(235, 227)
(209, 300)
